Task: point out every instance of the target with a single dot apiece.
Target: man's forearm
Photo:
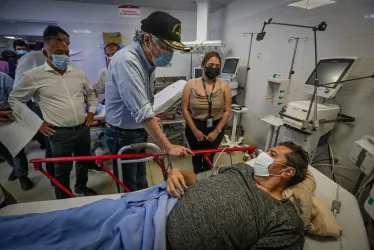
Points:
(153, 128)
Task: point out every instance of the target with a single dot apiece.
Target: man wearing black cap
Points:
(129, 93)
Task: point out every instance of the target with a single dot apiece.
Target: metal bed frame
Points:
(157, 157)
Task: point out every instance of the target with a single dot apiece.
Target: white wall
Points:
(349, 33)
(97, 18)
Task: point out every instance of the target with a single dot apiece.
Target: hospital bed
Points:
(354, 234)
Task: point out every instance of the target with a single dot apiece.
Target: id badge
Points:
(209, 123)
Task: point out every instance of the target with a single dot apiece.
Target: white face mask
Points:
(262, 163)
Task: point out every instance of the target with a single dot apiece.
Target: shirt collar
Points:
(144, 60)
(47, 67)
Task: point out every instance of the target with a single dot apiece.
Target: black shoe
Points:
(85, 191)
(26, 183)
(96, 168)
(12, 176)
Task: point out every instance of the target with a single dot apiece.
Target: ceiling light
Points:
(82, 31)
(311, 4)
(10, 37)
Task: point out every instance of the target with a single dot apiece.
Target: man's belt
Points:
(78, 127)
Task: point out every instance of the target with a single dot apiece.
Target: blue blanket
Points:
(136, 221)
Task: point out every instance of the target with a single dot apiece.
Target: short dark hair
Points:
(113, 44)
(209, 55)
(297, 159)
(52, 31)
(8, 54)
(19, 43)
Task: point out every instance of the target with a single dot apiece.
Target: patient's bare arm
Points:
(179, 180)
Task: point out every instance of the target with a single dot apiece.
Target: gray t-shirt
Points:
(228, 211)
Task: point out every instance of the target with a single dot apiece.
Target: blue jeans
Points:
(19, 163)
(134, 174)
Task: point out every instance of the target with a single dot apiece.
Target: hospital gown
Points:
(228, 211)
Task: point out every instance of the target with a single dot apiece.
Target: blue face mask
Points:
(22, 52)
(164, 59)
(60, 61)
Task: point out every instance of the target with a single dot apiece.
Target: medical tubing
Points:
(197, 46)
(215, 163)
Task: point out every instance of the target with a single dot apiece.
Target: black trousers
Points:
(198, 161)
(65, 143)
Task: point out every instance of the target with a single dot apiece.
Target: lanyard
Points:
(209, 98)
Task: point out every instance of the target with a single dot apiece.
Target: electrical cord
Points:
(336, 204)
(333, 162)
(362, 188)
(215, 163)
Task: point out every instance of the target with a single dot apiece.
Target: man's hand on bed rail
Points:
(178, 151)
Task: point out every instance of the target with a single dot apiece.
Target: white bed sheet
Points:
(168, 96)
(354, 234)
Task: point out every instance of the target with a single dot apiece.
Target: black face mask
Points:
(212, 73)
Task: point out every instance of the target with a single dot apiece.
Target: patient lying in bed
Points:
(239, 207)
(236, 207)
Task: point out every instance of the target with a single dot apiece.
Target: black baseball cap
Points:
(165, 27)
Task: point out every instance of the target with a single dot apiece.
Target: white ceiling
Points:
(188, 5)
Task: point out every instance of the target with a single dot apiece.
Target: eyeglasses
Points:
(161, 44)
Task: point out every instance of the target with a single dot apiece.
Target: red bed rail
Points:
(99, 159)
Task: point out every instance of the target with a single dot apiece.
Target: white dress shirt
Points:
(60, 98)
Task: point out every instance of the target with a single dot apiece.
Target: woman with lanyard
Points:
(206, 106)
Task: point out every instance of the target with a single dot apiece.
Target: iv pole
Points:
(290, 40)
(247, 68)
(320, 27)
(246, 76)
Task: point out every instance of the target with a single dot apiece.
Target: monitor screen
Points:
(230, 66)
(331, 70)
(198, 72)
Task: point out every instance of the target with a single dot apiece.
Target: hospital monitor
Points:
(198, 72)
(230, 66)
(331, 70)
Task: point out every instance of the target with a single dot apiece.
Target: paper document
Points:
(15, 135)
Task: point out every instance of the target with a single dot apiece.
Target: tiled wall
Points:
(350, 32)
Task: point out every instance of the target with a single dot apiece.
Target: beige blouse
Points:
(199, 103)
